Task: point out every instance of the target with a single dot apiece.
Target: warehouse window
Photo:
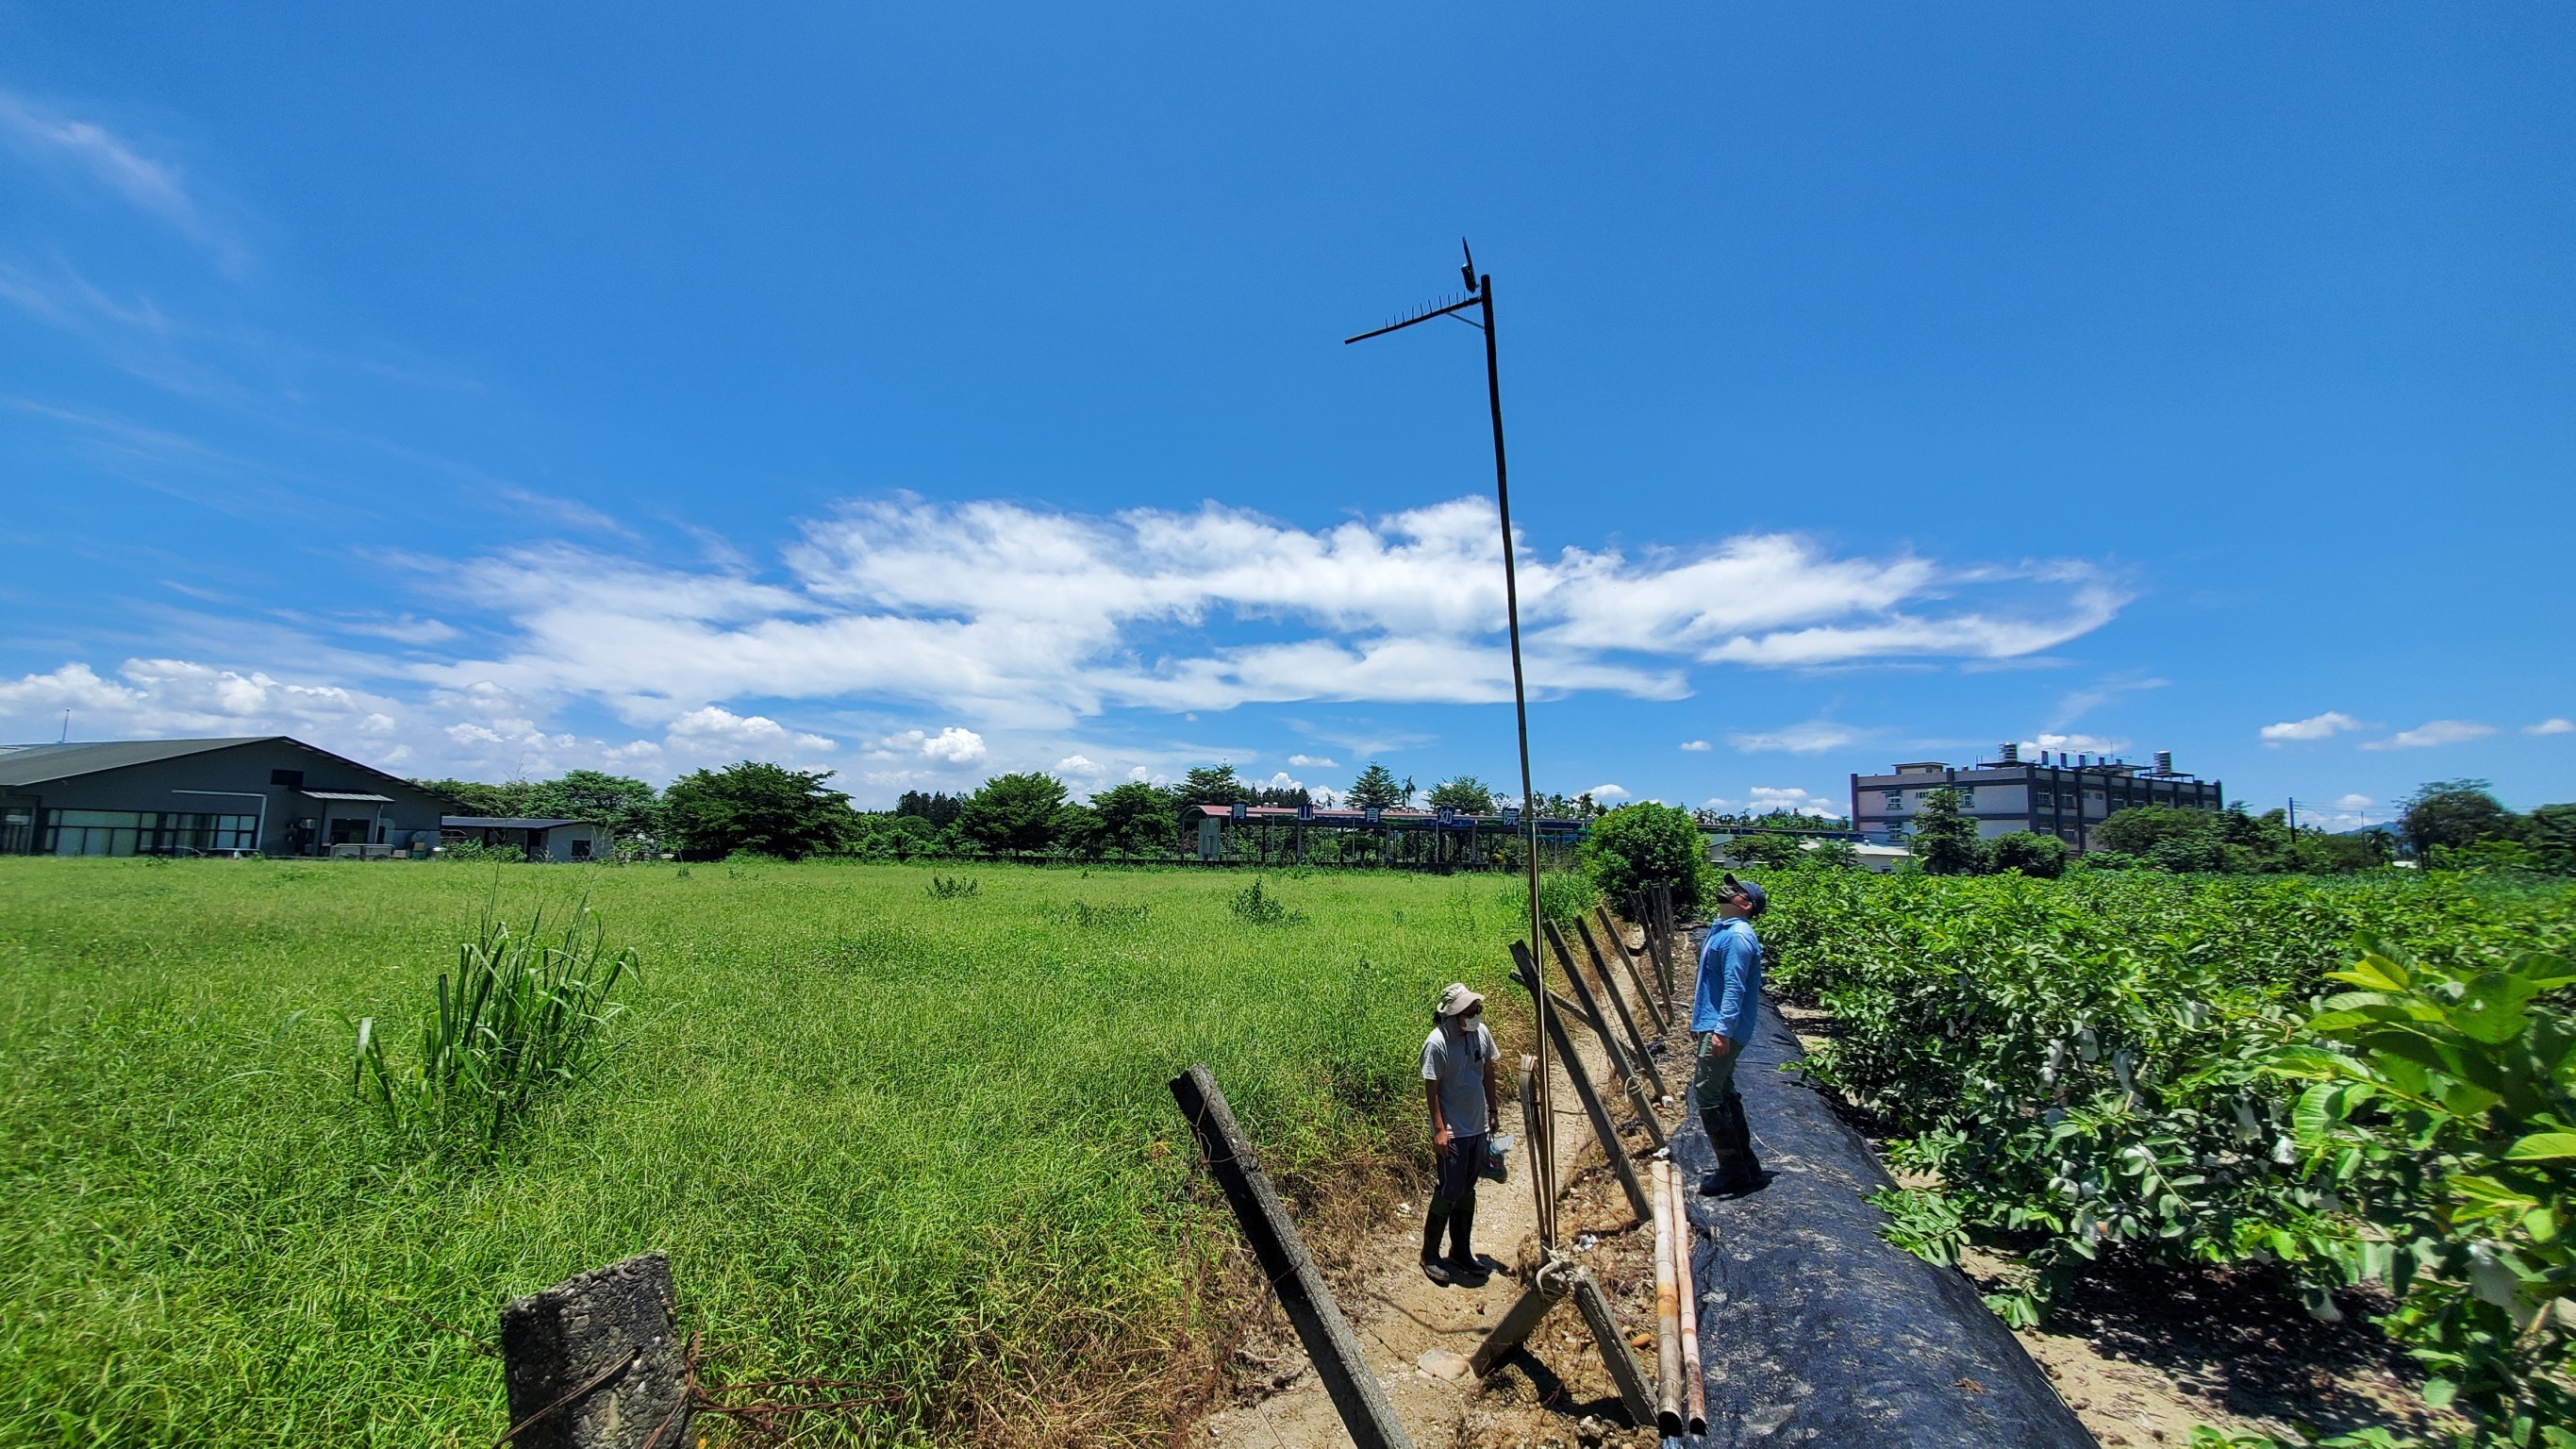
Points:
(142, 832)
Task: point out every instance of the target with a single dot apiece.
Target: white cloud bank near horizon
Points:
(1026, 621)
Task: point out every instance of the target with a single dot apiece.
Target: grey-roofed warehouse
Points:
(267, 793)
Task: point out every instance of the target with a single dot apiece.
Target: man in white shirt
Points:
(1459, 1085)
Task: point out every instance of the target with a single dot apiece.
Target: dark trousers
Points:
(1721, 1110)
(1453, 1201)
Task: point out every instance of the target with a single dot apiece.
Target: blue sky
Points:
(922, 394)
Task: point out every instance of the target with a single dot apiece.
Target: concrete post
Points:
(596, 1363)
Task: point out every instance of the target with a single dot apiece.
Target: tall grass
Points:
(922, 1144)
(522, 1016)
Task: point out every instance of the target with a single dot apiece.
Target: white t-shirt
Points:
(1457, 1062)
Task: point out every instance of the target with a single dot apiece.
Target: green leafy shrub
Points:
(477, 851)
(1635, 846)
(950, 887)
(2096, 1065)
(2443, 1108)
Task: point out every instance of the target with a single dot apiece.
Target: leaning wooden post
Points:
(1602, 1127)
(1625, 1371)
(1629, 1080)
(1636, 1040)
(1645, 993)
(1330, 1344)
(595, 1362)
(1659, 937)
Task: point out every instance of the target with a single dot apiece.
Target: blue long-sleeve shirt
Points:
(1730, 981)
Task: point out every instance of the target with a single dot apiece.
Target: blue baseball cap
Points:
(1755, 900)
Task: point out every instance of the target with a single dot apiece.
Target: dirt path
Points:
(1555, 1391)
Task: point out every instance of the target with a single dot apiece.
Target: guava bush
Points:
(2167, 1066)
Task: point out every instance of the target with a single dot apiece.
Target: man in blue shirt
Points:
(1727, 1007)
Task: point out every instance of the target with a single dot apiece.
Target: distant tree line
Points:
(771, 810)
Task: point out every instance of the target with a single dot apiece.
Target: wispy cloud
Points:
(2314, 727)
(2081, 702)
(1767, 798)
(112, 163)
(1813, 737)
(1313, 761)
(1695, 746)
(2552, 726)
(2432, 733)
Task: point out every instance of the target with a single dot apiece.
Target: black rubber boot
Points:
(1435, 1221)
(1463, 1266)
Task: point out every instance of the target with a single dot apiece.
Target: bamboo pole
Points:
(1668, 1334)
(1694, 1380)
(1620, 1067)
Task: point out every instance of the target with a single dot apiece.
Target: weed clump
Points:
(1256, 907)
(950, 887)
(521, 1017)
(1108, 918)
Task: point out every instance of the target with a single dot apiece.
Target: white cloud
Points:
(1767, 798)
(165, 698)
(1021, 615)
(1141, 775)
(714, 725)
(2314, 727)
(2354, 802)
(1280, 781)
(954, 745)
(1607, 792)
(2553, 726)
(1814, 737)
(1316, 761)
(1079, 765)
(2078, 744)
(1695, 746)
(2431, 733)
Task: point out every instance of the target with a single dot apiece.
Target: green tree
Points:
(2455, 813)
(1136, 817)
(1465, 794)
(1766, 850)
(763, 809)
(2031, 853)
(1081, 833)
(1376, 786)
(2553, 837)
(2139, 829)
(627, 807)
(506, 801)
(1015, 813)
(1635, 845)
(1944, 838)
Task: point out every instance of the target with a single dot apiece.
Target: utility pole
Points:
(1480, 297)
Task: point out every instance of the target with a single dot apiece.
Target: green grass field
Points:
(921, 1143)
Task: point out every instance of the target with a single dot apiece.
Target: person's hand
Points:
(1440, 1140)
(1720, 1045)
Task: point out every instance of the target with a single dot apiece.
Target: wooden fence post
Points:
(1602, 1127)
(1629, 1080)
(1635, 1039)
(1645, 993)
(596, 1363)
(1330, 1344)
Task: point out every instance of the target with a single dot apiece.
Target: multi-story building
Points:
(2063, 797)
